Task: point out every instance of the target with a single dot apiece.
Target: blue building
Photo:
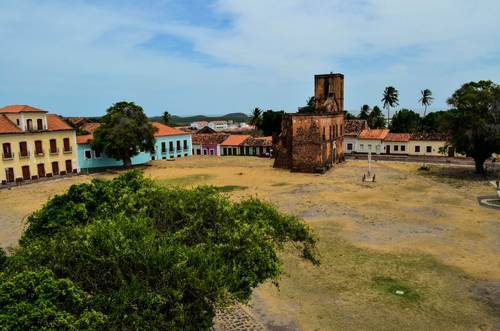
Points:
(169, 143)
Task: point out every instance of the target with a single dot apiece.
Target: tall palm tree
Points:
(426, 99)
(256, 117)
(390, 99)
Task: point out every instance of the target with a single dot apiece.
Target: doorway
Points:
(388, 149)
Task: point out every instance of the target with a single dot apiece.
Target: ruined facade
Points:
(313, 142)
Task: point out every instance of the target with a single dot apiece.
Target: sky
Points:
(190, 57)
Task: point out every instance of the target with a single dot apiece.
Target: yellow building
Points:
(429, 145)
(34, 145)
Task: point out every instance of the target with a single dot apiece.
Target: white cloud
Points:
(73, 57)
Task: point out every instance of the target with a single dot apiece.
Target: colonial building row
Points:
(359, 138)
(208, 142)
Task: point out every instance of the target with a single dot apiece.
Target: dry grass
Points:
(407, 231)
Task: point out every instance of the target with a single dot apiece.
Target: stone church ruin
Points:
(313, 142)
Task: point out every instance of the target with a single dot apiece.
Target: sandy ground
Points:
(453, 244)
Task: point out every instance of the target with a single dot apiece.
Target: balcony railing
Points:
(68, 150)
(39, 153)
(8, 156)
(54, 151)
(24, 155)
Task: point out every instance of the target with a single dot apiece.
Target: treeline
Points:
(403, 120)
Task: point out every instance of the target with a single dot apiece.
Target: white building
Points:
(218, 125)
(198, 125)
(372, 140)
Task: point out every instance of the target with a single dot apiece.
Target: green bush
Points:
(158, 258)
(36, 300)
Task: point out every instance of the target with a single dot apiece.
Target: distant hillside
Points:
(180, 120)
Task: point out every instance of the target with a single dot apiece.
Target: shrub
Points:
(158, 258)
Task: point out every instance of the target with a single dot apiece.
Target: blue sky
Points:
(190, 57)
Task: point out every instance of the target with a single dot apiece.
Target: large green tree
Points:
(364, 113)
(474, 124)
(145, 257)
(390, 98)
(376, 119)
(271, 122)
(433, 122)
(406, 120)
(125, 131)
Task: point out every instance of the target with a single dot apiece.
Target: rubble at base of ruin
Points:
(313, 142)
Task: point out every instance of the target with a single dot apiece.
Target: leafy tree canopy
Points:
(124, 132)
(37, 300)
(474, 125)
(149, 257)
(376, 119)
(433, 122)
(271, 122)
(406, 120)
(364, 113)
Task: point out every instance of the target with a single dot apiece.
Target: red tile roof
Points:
(12, 109)
(55, 123)
(235, 140)
(258, 141)
(6, 125)
(209, 138)
(90, 127)
(164, 130)
(398, 137)
(84, 139)
(375, 134)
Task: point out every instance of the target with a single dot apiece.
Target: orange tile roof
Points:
(90, 127)
(84, 139)
(164, 130)
(21, 109)
(235, 139)
(55, 123)
(376, 134)
(258, 141)
(397, 137)
(6, 125)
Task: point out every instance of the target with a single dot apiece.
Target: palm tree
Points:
(390, 99)
(426, 99)
(256, 117)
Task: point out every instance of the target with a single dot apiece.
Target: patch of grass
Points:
(186, 180)
(230, 188)
(279, 184)
(396, 288)
(455, 176)
(352, 280)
